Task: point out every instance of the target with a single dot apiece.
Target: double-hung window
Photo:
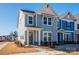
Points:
(47, 36)
(47, 21)
(30, 20)
(68, 24)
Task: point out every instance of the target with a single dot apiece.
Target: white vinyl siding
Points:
(49, 21)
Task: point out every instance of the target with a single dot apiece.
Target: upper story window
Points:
(59, 24)
(77, 26)
(47, 21)
(30, 20)
(68, 25)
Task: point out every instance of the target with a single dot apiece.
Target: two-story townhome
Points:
(66, 28)
(37, 27)
(77, 28)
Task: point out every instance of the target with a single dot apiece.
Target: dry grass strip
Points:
(12, 48)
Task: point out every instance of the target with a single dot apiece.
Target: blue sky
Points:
(9, 13)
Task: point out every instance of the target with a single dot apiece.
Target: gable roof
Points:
(46, 9)
(67, 15)
(29, 11)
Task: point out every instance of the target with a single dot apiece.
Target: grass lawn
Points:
(12, 48)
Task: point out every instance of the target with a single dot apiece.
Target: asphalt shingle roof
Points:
(29, 11)
(64, 15)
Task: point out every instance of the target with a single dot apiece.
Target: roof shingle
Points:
(29, 11)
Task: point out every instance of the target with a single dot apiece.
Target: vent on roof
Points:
(46, 5)
(75, 19)
(68, 16)
(68, 13)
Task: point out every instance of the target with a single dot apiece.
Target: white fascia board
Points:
(68, 20)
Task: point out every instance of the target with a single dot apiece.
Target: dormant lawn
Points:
(12, 48)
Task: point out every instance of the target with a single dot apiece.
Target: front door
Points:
(31, 38)
(60, 37)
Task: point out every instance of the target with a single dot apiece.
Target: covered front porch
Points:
(65, 37)
(33, 36)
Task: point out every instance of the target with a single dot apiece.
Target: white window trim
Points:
(33, 37)
(32, 20)
(43, 36)
(47, 21)
(68, 34)
(47, 34)
(77, 26)
(63, 35)
(36, 19)
(68, 20)
(43, 20)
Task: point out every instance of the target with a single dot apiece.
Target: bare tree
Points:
(15, 35)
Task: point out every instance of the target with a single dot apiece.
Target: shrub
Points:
(19, 43)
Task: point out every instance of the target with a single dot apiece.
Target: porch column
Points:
(36, 36)
(27, 37)
(39, 40)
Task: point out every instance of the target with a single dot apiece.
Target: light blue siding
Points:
(51, 28)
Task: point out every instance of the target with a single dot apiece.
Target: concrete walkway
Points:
(69, 47)
(3, 44)
(42, 51)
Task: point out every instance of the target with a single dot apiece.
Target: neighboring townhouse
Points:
(38, 27)
(7, 38)
(77, 28)
(66, 28)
